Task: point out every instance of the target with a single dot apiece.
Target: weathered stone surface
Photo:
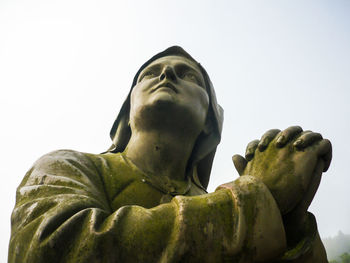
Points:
(144, 200)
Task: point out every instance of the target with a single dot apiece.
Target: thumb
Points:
(240, 163)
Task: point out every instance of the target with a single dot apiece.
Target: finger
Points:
(307, 139)
(251, 147)
(267, 138)
(240, 163)
(288, 134)
(325, 152)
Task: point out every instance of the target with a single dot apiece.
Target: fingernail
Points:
(298, 143)
(261, 147)
(249, 155)
(280, 140)
(263, 144)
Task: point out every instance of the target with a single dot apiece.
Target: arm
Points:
(62, 215)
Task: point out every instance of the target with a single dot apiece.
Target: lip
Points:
(165, 84)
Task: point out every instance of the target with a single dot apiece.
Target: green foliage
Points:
(344, 258)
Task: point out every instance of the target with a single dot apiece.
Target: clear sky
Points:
(66, 66)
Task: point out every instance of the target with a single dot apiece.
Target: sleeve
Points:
(309, 248)
(62, 214)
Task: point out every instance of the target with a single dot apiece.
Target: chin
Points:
(164, 103)
(164, 113)
(164, 97)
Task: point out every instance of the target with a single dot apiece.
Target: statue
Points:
(145, 199)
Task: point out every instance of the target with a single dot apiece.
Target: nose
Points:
(169, 73)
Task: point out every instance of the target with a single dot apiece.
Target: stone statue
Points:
(145, 199)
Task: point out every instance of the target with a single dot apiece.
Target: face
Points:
(171, 85)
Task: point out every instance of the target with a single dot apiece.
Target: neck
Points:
(160, 153)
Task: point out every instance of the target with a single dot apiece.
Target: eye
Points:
(189, 76)
(148, 75)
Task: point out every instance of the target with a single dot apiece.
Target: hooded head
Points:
(200, 162)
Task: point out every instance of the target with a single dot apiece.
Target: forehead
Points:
(174, 61)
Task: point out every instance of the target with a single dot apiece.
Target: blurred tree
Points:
(336, 246)
(345, 258)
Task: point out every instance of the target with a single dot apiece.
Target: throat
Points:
(160, 154)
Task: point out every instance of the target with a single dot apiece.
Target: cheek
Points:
(204, 108)
(195, 94)
(140, 96)
(199, 102)
(200, 98)
(204, 99)
(135, 100)
(142, 89)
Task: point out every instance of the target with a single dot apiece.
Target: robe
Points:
(79, 207)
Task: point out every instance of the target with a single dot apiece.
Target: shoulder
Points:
(65, 158)
(58, 164)
(80, 157)
(62, 155)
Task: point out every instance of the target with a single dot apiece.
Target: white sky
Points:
(66, 66)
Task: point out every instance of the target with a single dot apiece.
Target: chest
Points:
(125, 185)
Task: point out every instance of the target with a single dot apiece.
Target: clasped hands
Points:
(290, 163)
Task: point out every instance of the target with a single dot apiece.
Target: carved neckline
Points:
(160, 183)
